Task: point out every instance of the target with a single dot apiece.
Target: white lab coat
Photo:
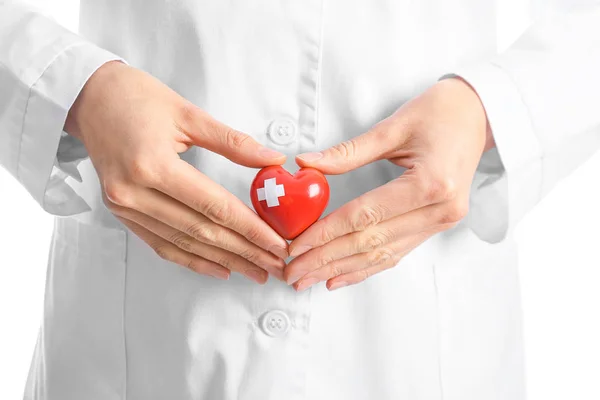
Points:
(121, 323)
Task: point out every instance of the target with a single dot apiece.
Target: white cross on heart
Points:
(271, 192)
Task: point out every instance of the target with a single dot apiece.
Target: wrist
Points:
(88, 97)
(478, 105)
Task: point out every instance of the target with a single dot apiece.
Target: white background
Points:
(560, 275)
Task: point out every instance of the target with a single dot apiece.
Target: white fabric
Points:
(120, 323)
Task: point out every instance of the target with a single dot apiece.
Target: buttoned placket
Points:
(282, 315)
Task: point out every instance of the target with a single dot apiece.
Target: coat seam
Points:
(438, 330)
(318, 93)
(124, 319)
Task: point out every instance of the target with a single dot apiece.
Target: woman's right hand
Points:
(134, 127)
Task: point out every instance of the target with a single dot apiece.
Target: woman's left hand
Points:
(439, 138)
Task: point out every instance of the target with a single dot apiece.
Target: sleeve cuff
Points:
(508, 180)
(50, 98)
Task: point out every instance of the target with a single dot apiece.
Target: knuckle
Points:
(201, 231)
(366, 217)
(346, 149)
(217, 211)
(142, 170)
(118, 193)
(449, 189)
(225, 261)
(253, 234)
(191, 265)
(439, 189)
(363, 275)
(324, 260)
(235, 139)
(109, 204)
(379, 256)
(335, 270)
(326, 234)
(197, 204)
(374, 241)
(395, 260)
(454, 212)
(249, 255)
(380, 132)
(217, 237)
(182, 241)
(163, 251)
(188, 113)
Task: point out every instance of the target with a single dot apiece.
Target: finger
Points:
(187, 244)
(357, 276)
(179, 216)
(356, 152)
(206, 132)
(380, 235)
(170, 252)
(356, 268)
(413, 190)
(188, 185)
(354, 277)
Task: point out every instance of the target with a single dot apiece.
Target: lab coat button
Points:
(275, 323)
(282, 131)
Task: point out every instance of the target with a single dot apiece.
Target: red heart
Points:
(289, 203)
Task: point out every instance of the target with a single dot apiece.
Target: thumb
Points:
(238, 147)
(348, 155)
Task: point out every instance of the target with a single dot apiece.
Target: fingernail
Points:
(306, 283)
(256, 275)
(279, 251)
(337, 285)
(298, 251)
(277, 273)
(310, 157)
(270, 153)
(293, 278)
(220, 274)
